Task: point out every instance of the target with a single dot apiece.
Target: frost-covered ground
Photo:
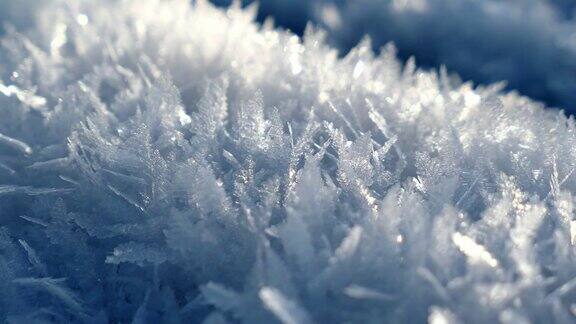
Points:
(162, 162)
(531, 44)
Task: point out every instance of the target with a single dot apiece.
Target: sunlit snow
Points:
(168, 162)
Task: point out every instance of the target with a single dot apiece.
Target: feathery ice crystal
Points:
(528, 43)
(162, 162)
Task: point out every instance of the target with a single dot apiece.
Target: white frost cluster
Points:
(162, 162)
(529, 43)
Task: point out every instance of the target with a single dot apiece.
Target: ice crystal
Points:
(165, 162)
(527, 43)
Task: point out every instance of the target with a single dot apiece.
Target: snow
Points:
(527, 43)
(166, 162)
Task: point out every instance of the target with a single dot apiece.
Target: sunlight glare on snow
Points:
(474, 251)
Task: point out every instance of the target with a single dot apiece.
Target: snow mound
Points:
(162, 162)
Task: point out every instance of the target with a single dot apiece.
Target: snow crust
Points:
(162, 162)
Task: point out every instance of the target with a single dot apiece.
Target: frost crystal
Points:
(168, 162)
(530, 44)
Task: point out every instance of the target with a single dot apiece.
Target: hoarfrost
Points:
(188, 165)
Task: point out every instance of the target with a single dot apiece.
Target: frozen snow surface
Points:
(529, 43)
(168, 162)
